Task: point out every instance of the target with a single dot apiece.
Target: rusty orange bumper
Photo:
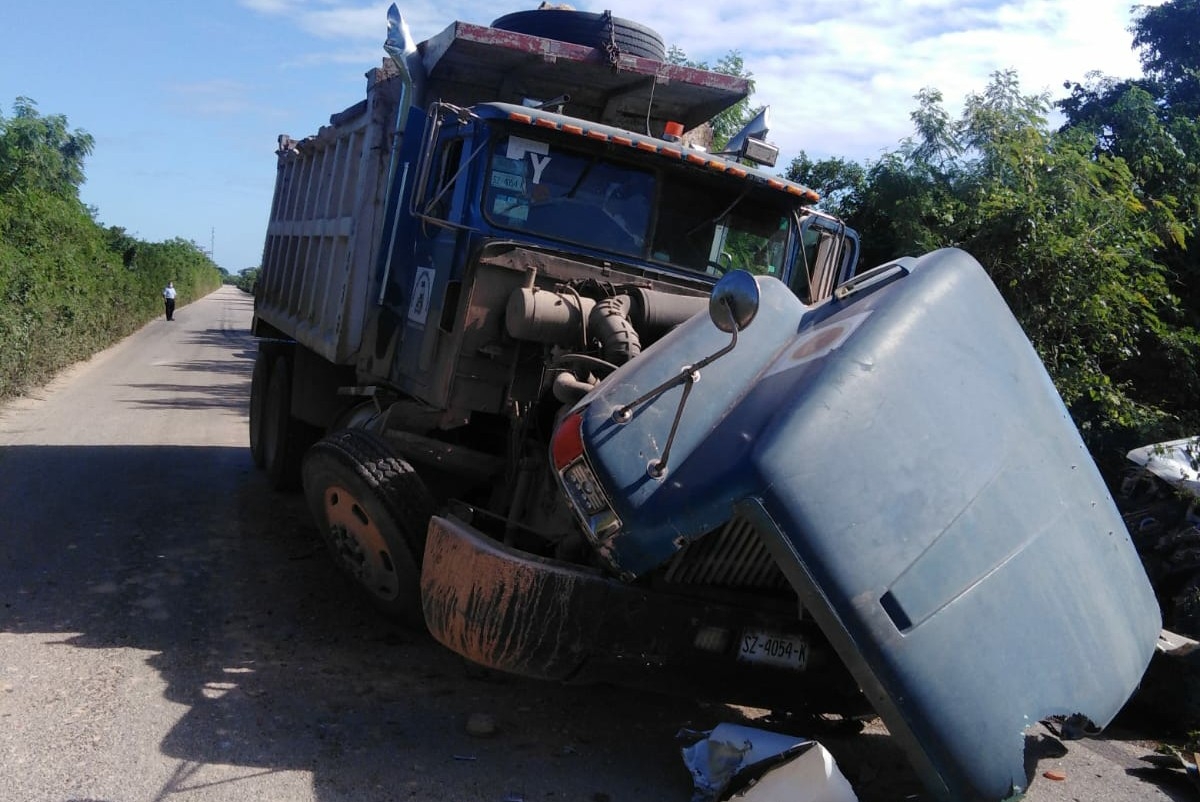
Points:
(527, 615)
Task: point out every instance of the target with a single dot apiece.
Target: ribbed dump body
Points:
(326, 224)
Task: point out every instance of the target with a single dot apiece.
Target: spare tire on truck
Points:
(586, 28)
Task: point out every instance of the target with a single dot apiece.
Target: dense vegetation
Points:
(245, 280)
(69, 286)
(1088, 229)
(728, 122)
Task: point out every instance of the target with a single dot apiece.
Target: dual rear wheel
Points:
(277, 439)
(370, 506)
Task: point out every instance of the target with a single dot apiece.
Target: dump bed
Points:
(325, 225)
(326, 222)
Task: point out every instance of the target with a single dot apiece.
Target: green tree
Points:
(1152, 124)
(68, 286)
(728, 122)
(247, 278)
(1168, 38)
(1063, 230)
(121, 243)
(838, 181)
(41, 153)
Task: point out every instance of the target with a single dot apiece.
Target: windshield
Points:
(702, 223)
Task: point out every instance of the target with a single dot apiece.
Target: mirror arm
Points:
(689, 375)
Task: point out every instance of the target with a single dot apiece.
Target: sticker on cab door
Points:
(422, 292)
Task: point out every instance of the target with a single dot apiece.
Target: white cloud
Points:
(842, 82)
(357, 22)
(840, 79)
(267, 6)
(213, 98)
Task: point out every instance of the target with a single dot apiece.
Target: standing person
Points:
(169, 299)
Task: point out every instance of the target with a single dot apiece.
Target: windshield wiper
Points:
(718, 218)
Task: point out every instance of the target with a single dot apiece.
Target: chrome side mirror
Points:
(734, 301)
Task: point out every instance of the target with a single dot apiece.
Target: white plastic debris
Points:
(733, 762)
(1173, 644)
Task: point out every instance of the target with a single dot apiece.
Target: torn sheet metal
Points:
(1173, 644)
(1175, 462)
(734, 762)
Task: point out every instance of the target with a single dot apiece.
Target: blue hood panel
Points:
(907, 460)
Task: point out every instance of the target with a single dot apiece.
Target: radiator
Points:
(731, 556)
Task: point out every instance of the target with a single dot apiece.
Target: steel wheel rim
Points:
(359, 544)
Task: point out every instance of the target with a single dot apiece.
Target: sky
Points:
(185, 100)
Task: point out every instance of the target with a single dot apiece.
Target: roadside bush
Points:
(65, 294)
(246, 279)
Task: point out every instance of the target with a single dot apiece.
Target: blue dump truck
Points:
(594, 402)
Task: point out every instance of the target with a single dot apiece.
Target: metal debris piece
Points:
(733, 762)
(1175, 645)
(1074, 727)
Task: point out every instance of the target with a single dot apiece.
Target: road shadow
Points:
(280, 666)
(224, 338)
(156, 395)
(232, 370)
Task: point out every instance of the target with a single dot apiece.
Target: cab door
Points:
(439, 248)
(828, 258)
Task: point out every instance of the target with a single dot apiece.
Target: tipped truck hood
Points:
(905, 457)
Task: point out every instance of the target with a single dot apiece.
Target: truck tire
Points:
(586, 28)
(284, 438)
(373, 512)
(258, 398)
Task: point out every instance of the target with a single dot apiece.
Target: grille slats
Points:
(731, 556)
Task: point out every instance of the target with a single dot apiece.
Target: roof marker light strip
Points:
(649, 146)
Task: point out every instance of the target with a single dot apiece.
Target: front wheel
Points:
(373, 511)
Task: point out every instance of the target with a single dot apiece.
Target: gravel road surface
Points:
(170, 629)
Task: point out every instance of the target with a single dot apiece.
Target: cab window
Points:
(541, 188)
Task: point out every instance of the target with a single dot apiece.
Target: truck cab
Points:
(450, 266)
(505, 197)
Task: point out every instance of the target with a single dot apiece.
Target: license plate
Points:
(771, 648)
(513, 183)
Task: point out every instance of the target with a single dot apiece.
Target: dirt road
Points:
(169, 628)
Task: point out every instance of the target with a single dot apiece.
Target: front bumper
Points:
(527, 615)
